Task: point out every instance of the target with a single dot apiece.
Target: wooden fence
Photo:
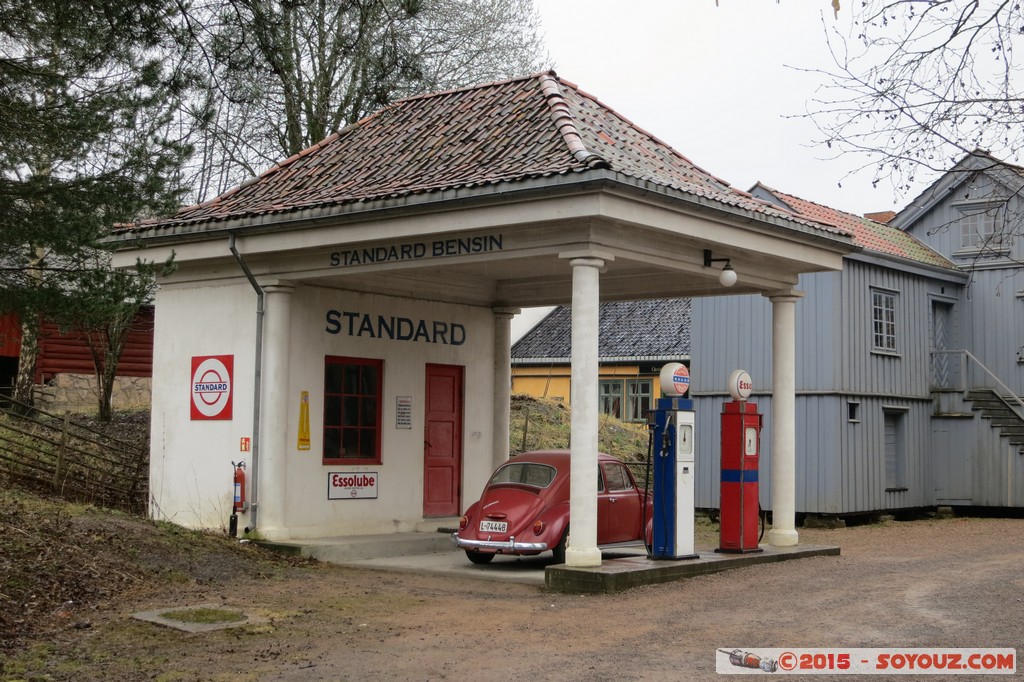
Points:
(55, 454)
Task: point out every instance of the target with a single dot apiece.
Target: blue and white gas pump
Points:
(673, 459)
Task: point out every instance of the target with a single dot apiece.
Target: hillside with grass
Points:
(542, 423)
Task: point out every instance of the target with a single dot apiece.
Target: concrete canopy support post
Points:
(582, 550)
(275, 401)
(502, 382)
(783, 474)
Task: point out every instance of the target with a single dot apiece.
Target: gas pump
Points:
(741, 445)
(673, 459)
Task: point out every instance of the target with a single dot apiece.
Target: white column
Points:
(783, 474)
(583, 549)
(502, 382)
(275, 402)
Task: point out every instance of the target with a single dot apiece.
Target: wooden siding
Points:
(729, 333)
(10, 336)
(840, 465)
(993, 321)
(68, 353)
(863, 468)
(865, 370)
(994, 325)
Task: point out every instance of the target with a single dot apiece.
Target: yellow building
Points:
(636, 339)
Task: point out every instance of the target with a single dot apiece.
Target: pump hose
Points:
(762, 515)
(647, 492)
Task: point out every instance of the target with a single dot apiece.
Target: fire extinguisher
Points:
(240, 504)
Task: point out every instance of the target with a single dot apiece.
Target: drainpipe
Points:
(257, 381)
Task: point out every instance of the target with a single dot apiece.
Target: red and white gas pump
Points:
(741, 446)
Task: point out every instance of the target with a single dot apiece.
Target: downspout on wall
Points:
(257, 386)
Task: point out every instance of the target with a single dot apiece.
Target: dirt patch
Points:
(933, 583)
(61, 564)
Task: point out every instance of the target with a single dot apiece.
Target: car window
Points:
(616, 477)
(525, 473)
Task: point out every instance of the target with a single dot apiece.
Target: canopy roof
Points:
(534, 170)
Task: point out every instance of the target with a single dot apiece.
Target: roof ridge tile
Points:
(565, 124)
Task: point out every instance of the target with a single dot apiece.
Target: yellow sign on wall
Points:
(304, 421)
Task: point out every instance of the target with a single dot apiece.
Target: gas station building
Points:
(341, 323)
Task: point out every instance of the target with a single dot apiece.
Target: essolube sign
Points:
(352, 485)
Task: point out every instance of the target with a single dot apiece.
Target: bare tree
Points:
(284, 74)
(920, 84)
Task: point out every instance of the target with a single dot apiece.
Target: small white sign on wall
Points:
(352, 485)
(403, 412)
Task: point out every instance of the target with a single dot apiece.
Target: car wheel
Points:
(559, 551)
(479, 557)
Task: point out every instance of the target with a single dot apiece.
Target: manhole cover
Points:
(199, 618)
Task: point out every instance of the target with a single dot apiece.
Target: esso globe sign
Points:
(740, 385)
(674, 379)
(212, 386)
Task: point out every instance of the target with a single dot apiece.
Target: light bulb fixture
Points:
(728, 276)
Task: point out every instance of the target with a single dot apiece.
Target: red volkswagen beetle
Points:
(524, 508)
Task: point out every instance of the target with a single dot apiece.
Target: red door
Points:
(442, 447)
(618, 506)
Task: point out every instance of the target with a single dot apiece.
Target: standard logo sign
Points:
(352, 485)
(212, 386)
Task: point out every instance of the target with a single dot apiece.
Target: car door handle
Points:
(613, 499)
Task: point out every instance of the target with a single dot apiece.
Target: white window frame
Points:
(884, 303)
(978, 223)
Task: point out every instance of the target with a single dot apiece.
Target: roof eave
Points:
(949, 273)
(603, 359)
(171, 232)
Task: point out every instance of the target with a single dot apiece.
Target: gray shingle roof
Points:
(627, 329)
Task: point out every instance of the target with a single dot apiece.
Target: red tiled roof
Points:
(870, 234)
(881, 216)
(532, 127)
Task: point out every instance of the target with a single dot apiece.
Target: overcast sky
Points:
(716, 83)
(721, 85)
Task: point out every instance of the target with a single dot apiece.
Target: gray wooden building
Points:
(864, 403)
(972, 215)
(910, 360)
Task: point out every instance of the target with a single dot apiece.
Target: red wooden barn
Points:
(68, 353)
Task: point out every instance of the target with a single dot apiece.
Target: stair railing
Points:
(1001, 390)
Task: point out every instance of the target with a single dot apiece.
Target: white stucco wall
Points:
(191, 473)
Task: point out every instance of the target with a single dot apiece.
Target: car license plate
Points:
(494, 526)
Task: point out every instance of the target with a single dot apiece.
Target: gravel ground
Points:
(956, 582)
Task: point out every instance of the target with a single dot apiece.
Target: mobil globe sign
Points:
(212, 386)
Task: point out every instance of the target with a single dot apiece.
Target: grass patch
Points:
(544, 424)
(208, 616)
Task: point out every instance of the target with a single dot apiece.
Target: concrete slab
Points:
(627, 572)
(623, 566)
(356, 547)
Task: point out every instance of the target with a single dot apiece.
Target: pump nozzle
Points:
(666, 444)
